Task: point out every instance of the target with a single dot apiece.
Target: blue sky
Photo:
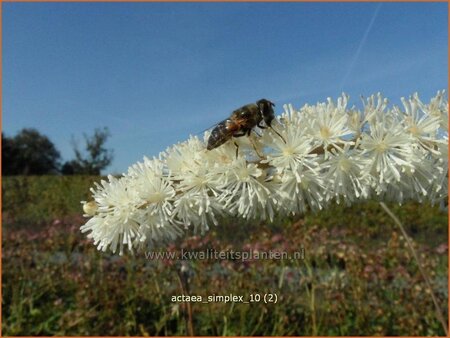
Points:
(153, 73)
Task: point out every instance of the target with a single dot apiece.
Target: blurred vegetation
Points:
(357, 277)
(39, 199)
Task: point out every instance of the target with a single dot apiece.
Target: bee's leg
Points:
(237, 148)
(263, 127)
(240, 134)
(248, 134)
(253, 143)
(256, 150)
(278, 134)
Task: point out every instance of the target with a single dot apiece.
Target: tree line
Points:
(31, 153)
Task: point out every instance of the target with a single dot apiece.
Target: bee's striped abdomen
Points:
(220, 134)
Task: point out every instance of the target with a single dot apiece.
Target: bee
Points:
(241, 122)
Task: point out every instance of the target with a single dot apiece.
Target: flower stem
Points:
(184, 287)
(419, 264)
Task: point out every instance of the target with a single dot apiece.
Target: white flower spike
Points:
(307, 159)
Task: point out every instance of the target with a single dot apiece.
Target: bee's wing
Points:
(207, 129)
(211, 128)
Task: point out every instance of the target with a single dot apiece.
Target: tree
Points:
(71, 168)
(9, 156)
(96, 157)
(29, 153)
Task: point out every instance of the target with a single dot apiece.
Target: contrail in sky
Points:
(361, 44)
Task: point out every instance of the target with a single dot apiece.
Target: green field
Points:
(357, 276)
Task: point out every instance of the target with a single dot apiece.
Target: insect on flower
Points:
(241, 122)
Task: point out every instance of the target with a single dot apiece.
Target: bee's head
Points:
(266, 109)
